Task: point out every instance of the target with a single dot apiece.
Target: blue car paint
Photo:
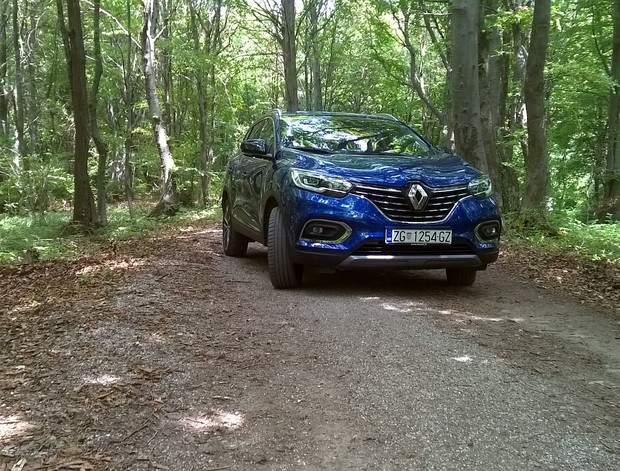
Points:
(366, 221)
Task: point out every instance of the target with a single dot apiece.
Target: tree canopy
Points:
(171, 85)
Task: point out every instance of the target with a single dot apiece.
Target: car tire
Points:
(461, 276)
(235, 244)
(283, 272)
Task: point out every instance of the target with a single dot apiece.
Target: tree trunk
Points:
(83, 201)
(165, 68)
(415, 83)
(215, 48)
(169, 197)
(4, 94)
(20, 143)
(100, 144)
(468, 137)
(315, 62)
(32, 104)
(289, 53)
(489, 51)
(201, 162)
(127, 175)
(537, 158)
(611, 202)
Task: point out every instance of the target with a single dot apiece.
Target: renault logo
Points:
(418, 196)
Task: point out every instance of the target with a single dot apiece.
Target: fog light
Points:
(319, 230)
(488, 230)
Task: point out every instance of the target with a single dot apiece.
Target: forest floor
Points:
(164, 354)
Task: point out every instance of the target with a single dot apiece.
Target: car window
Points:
(254, 132)
(352, 134)
(267, 134)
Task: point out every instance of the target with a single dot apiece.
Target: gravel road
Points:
(193, 362)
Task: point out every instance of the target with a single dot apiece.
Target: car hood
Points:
(390, 170)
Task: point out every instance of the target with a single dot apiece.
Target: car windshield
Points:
(351, 134)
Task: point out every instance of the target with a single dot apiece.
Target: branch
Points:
(118, 23)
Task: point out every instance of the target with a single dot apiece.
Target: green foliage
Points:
(595, 242)
(23, 238)
(21, 234)
(46, 184)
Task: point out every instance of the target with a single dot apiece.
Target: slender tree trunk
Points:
(505, 125)
(215, 48)
(537, 158)
(611, 202)
(128, 174)
(100, 144)
(32, 105)
(4, 94)
(468, 136)
(20, 144)
(315, 62)
(415, 83)
(168, 189)
(165, 68)
(289, 52)
(489, 50)
(83, 201)
(202, 115)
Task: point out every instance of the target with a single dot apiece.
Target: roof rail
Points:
(387, 116)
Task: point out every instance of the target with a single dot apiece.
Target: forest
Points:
(130, 108)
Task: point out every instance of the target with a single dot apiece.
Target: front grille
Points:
(393, 202)
(381, 248)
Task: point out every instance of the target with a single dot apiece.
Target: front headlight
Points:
(480, 187)
(320, 183)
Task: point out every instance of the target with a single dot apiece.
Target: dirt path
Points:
(167, 355)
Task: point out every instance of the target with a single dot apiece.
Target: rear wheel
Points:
(283, 272)
(235, 244)
(461, 276)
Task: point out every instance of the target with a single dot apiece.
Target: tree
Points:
(468, 136)
(279, 22)
(537, 157)
(207, 23)
(100, 144)
(83, 201)
(19, 87)
(168, 189)
(289, 54)
(490, 82)
(611, 203)
(4, 93)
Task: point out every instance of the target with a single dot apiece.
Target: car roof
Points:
(336, 113)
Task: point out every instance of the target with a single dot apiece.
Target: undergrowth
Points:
(592, 242)
(27, 239)
(24, 238)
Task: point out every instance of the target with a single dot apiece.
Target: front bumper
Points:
(357, 259)
(365, 247)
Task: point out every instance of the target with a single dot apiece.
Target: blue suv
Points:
(353, 191)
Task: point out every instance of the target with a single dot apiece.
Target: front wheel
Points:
(283, 272)
(461, 276)
(235, 244)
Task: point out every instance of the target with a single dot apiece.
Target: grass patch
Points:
(593, 242)
(22, 237)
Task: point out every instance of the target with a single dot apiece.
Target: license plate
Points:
(418, 236)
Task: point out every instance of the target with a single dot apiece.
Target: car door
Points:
(237, 181)
(252, 179)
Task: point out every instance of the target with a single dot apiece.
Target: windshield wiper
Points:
(311, 149)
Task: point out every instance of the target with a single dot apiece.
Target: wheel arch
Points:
(271, 203)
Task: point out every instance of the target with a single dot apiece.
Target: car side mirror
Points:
(257, 147)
